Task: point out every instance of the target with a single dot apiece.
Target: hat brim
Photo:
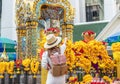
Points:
(53, 45)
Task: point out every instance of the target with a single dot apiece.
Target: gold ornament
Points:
(10, 68)
(2, 69)
(26, 63)
(34, 67)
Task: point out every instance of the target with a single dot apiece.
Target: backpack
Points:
(59, 67)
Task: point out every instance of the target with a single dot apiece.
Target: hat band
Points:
(52, 43)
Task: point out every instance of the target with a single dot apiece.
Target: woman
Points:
(52, 46)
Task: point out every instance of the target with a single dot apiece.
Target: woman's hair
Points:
(52, 50)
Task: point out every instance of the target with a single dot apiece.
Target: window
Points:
(92, 13)
(94, 10)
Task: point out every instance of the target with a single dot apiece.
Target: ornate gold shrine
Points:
(35, 16)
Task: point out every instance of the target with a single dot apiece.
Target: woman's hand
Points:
(65, 40)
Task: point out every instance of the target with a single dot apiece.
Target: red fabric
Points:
(41, 53)
(18, 62)
(78, 53)
(84, 41)
(104, 43)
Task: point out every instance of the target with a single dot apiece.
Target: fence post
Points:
(34, 80)
(18, 78)
(10, 79)
(3, 79)
(26, 77)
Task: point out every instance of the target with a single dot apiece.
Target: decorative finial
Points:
(4, 55)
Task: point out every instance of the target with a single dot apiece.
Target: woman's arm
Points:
(63, 46)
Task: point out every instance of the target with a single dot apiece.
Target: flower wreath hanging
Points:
(52, 30)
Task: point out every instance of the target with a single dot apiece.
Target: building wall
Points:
(117, 5)
(0, 14)
(80, 10)
(8, 28)
(79, 28)
(76, 5)
(109, 9)
(110, 29)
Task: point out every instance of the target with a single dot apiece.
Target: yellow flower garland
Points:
(42, 39)
(116, 51)
(116, 55)
(70, 55)
(115, 46)
(34, 67)
(106, 78)
(87, 78)
(93, 51)
(26, 64)
(10, 68)
(85, 64)
(2, 69)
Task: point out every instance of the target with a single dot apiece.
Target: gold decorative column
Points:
(64, 30)
(21, 31)
(67, 31)
(31, 44)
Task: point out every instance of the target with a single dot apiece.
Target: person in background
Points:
(52, 47)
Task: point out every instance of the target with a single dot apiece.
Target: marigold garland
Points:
(115, 46)
(52, 31)
(34, 66)
(26, 64)
(10, 68)
(85, 64)
(106, 78)
(87, 78)
(81, 54)
(42, 39)
(116, 55)
(18, 63)
(70, 55)
(116, 51)
(2, 69)
(73, 80)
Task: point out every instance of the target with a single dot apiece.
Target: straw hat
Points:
(52, 41)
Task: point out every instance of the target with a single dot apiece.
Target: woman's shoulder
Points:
(63, 46)
(45, 53)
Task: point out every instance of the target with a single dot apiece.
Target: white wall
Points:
(111, 28)
(8, 28)
(75, 4)
(82, 11)
(109, 9)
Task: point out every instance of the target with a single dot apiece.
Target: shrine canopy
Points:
(113, 38)
(8, 44)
